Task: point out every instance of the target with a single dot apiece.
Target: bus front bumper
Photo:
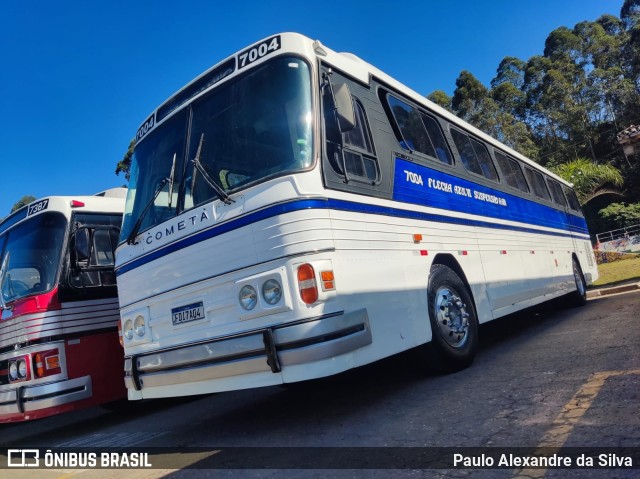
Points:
(25, 399)
(263, 351)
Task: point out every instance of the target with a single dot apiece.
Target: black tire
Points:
(454, 323)
(579, 296)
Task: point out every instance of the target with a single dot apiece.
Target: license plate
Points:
(186, 313)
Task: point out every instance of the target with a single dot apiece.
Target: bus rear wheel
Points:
(454, 324)
(579, 296)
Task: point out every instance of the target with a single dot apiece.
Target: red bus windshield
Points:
(31, 256)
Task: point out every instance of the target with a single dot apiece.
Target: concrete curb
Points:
(594, 293)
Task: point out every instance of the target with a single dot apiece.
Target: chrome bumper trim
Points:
(33, 398)
(258, 351)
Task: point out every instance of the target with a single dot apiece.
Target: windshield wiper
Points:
(199, 167)
(171, 177)
(3, 275)
(134, 231)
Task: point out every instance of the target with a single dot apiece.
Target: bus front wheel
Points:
(454, 324)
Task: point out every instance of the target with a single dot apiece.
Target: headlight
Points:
(248, 297)
(271, 291)
(13, 371)
(22, 368)
(138, 326)
(127, 329)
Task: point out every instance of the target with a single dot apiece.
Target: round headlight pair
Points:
(136, 326)
(18, 369)
(271, 293)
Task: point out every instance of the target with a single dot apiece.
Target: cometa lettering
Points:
(179, 226)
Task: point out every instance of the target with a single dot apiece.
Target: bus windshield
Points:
(252, 128)
(31, 256)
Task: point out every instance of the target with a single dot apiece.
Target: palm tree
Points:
(590, 179)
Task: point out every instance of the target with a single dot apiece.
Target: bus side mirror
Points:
(82, 247)
(344, 107)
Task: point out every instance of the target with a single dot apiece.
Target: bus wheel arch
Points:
(452, 317)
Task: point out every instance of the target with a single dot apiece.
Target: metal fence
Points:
(622, 239)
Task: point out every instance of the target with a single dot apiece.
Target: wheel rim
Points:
(452, 317)
(578, 279)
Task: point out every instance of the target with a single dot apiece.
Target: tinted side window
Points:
(556, 192)
(360, 164)
(465, 149)
(536, 180)
(474, 155)
(414, 134)
(437, 137)
(420, 132)
(359, 136)
(574, 204)
(511, 172)
(484, 160)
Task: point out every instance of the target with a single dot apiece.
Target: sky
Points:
(77, 78)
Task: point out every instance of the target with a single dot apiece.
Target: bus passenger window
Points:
(409, 122)
(359, 136)
(536, 180)
(439, 143)
(474, 155)
(484, 160)
(511, 172)
(574, 204)
(556, 192)
(360, 164)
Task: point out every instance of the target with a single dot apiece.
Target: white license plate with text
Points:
(187, 313)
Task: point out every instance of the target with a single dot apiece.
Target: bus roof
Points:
(348, 63)
(108, 201)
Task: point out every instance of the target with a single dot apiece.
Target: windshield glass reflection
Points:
(244, 132)
(31, 256)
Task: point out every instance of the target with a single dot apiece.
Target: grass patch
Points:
(618, 271)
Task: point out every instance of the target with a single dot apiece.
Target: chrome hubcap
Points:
(452, 317)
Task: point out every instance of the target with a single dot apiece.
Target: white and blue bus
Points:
(294, 212)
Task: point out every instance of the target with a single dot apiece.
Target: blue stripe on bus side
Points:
(417, 184)
(318, 203)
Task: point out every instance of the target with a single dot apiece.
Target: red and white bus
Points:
(59, 348)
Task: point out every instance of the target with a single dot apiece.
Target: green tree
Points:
(124, 165)
(471, 102)
(476, 104)
(439, 97)
(25, 200)
(590, 179)
(570, 102)
(621, 214)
